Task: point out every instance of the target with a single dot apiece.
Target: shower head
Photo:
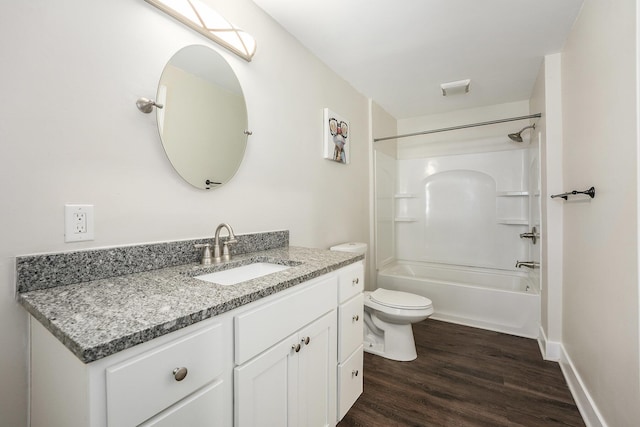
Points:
(517, 137)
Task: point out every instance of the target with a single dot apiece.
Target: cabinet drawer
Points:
(258, 329)
(145, 385)
(350, 330)
(203, 408)
(349, 382)
(351, 281)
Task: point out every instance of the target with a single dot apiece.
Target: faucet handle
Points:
(206, 253)
(230, 241)
(226, 256)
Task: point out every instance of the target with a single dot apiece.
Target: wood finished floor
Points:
(464, 377)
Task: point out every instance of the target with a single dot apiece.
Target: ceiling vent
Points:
(455, 88)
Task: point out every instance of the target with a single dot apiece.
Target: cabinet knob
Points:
(180, 373)
(305, 340)
(355, 318)
(354, 373)
(295, 347)
(355, 281)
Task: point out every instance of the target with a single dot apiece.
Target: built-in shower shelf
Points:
(405, 219)
(513, 221)
(511, 193)
(405, 196)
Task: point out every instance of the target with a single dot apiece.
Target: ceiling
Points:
(398, 52)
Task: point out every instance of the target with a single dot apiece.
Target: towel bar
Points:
(590, 192)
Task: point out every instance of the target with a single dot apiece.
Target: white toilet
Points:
(388, 316)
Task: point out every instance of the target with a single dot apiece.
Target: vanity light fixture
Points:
(200, 17)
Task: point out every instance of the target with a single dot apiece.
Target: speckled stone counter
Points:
(101, 317)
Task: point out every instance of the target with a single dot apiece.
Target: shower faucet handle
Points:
(533, 235)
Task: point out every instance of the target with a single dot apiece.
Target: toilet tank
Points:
(356, 247)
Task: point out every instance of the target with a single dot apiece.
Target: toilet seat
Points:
(401, 300)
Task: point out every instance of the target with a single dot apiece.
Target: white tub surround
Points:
(464, 209)
(450, 224)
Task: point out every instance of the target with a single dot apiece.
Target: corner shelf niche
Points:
(512, 195)
(512, 221)
(405, 219)
(405, 206)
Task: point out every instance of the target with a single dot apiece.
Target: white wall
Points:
(600, 302)
(469, 140)
(70, 132)
(384, 125)
(383, 184)
(546, 99)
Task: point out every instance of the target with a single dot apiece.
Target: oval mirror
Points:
(203, 121)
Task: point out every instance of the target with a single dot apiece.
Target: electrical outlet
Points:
(78, 223)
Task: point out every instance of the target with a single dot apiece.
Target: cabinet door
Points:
(265, 388)
(317, 373)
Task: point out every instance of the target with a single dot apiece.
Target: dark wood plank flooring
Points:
(464, 377)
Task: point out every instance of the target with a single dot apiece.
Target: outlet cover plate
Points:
(78, 222)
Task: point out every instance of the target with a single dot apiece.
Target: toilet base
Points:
(396, 344)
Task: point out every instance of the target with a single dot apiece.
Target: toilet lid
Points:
(397, 299)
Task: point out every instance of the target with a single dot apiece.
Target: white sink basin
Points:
(242, 274)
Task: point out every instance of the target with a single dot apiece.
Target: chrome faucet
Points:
(528, 264)
(217, 258)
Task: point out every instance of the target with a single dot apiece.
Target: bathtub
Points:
(491, 299)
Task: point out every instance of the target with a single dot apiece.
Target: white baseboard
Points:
(550, 350)
(554, 351)
(586, 405)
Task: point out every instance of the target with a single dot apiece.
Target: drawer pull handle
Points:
(354, 373)
(180, 373)
(295, 347)
(306, 340)
(355, 318)
(355, 281)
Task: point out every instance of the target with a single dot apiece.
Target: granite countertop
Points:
(98, 318)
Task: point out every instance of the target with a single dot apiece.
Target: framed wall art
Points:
(336, 137)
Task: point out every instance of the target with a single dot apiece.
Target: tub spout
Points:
(528, 264)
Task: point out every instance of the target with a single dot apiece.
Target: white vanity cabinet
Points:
(350, 336)
(291, 382)
(293, 358)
